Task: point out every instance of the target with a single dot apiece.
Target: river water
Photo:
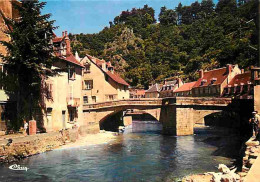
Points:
(141, 153)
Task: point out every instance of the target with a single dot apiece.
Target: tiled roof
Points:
(137, 92)
(218, 74)
(170, 82)
(239, 79)
(154, 88)
(114, 76)
(117, 78)
(185, 87)
(70, 58)
(57, 39)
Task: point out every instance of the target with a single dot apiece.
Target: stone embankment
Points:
(13, 149)
(251, 162)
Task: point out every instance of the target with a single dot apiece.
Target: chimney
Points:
(63, 34)
(229, 68)
(77, 56)
(179, 82)
(242, 71)
(201, 73)
(67, 41)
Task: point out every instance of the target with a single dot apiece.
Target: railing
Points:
(73, 102)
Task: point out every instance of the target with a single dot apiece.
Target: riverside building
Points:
(212, 83)
(101, 83)
(64, 102)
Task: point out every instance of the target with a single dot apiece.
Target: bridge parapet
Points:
(205, 101)
(127, 102)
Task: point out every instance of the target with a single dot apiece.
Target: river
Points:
(141, 153)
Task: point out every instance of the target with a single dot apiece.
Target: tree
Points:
(30, 57)
(167, 17)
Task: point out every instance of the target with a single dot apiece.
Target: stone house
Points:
(64, 96)
(169, 87)
(212, 83)
(7, 10)
(137, 93)
(185, 90)
(101, 83)
(241, 86)
(153, 91)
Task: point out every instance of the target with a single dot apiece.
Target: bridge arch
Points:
(113, 119)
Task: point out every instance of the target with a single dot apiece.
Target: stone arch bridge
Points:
(177, 115)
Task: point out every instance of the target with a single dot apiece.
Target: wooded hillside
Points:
(180, 42)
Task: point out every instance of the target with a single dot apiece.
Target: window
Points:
(94, 99)
(87, 68)
(85, 99)
(72, 114)
(49, 90)
(72, 73)
(88, 84)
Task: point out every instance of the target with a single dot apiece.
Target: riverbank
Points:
(16, 147)
(249, 173)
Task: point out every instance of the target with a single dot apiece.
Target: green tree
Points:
(30, 57)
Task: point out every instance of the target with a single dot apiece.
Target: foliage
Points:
(185, 40)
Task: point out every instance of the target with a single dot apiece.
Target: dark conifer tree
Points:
(30, 57)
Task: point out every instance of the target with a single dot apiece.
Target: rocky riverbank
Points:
(227, 175)
(15, 148)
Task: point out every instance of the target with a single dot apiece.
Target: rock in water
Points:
(223, 168)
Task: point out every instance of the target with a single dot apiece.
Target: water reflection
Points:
(140, 154)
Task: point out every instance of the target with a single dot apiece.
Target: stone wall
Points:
(26, 146)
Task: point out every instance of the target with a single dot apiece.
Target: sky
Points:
(91, 16)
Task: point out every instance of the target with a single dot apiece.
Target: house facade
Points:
(185, 90)
(101, 83)
(169, 87)
(64, 102)
(212, 83)
(153, 91)
(241, 86)
(137, 93)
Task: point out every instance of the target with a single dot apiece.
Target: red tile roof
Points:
(114, 76)
(70, 58)
(239, 79)
(57, 39)
(117, 78)
(185, 87)
(219, 74)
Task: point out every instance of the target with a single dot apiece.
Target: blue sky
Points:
(91, 16)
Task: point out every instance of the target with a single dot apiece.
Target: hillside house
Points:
(212, 83)
(153, 91)
(101, 83)
(185, 90)
(169, 87)
(64, 101)
(241, 86)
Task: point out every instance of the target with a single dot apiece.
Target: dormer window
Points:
(111, 69)
(203, 82)
(213, 80)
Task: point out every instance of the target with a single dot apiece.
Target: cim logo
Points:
(16, 167)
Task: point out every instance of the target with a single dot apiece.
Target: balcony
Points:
(73, 102)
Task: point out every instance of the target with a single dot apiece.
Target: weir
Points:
(177, 114)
